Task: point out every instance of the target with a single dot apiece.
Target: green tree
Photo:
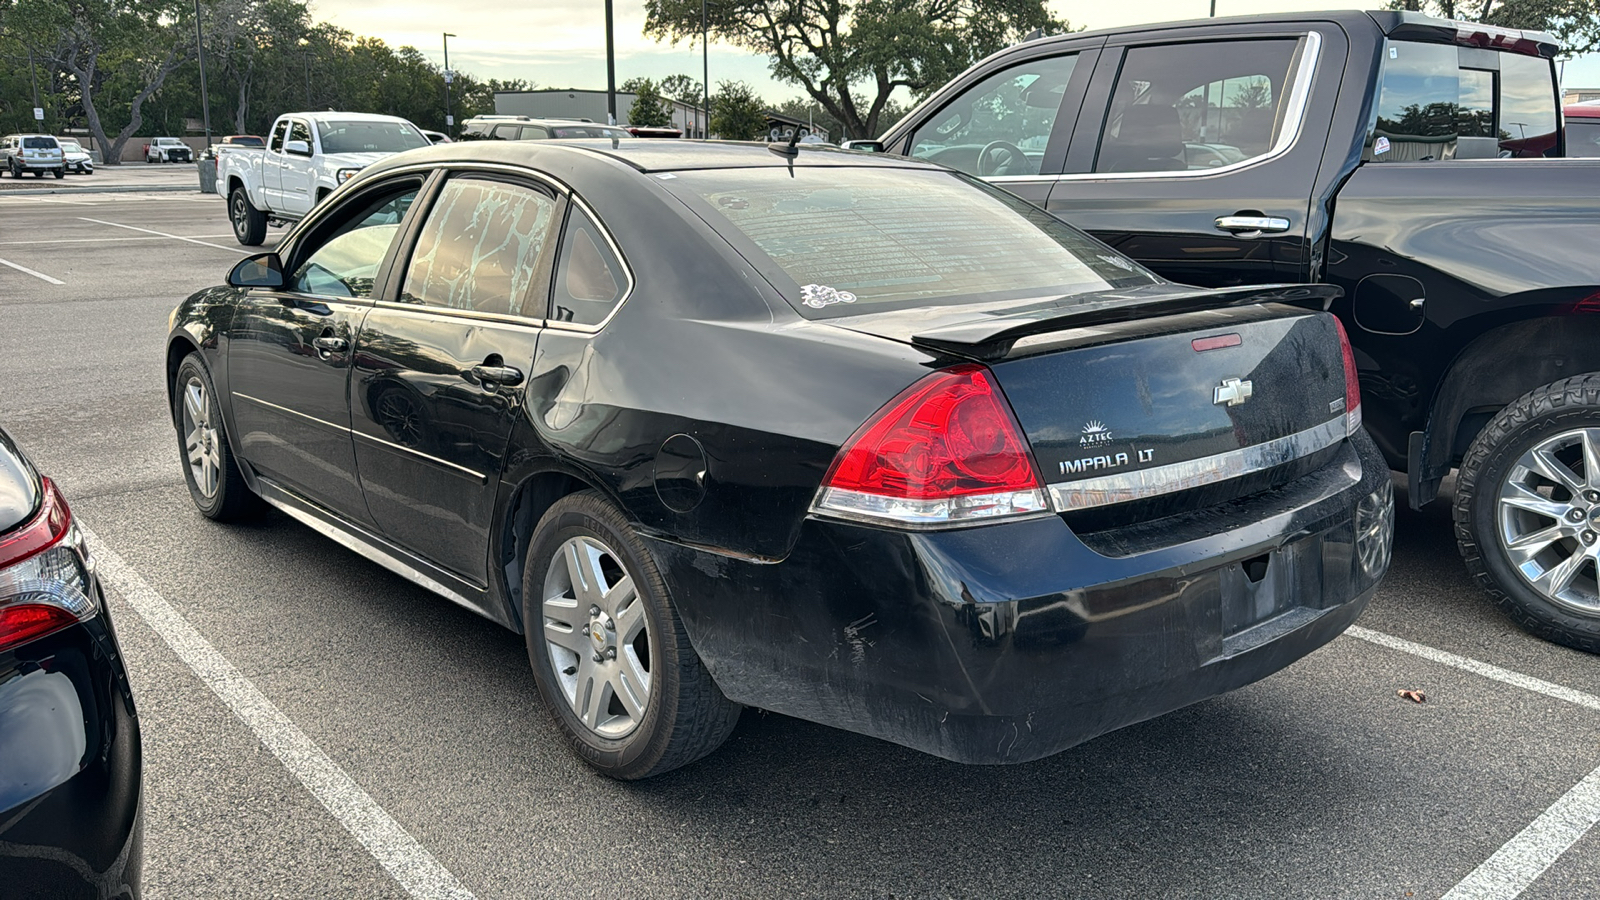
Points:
(683, 89)
(650, 109)
(852, 56)
(737, 114)
(1574, 23)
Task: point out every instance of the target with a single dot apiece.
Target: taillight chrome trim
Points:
(960, 511)
(1106, 490)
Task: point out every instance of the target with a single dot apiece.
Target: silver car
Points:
(74, 157)
(36, 153)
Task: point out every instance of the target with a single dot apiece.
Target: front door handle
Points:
(1252, 225)
(507, 376)
(328, 344)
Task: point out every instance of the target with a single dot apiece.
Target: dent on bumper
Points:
(1007, 643)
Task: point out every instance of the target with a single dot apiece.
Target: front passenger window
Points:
(1001, 125)
(347, 262)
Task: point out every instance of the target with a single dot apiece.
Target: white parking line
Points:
(102, 240)
(27, 271)
(164, 234)
(1476, 667)
(1521, 860)
(394, 848)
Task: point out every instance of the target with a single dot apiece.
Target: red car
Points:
(1583, 128)
(653, 131)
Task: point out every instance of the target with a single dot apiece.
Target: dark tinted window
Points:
(590, 280)
(1015, 106)
(351, 250)
(1583, 137)
(245, 141)
(586, 131)
(369, 137)
(1430, 107)
(1196, 106)
(480, 248)
(913, 237)
(40, 143)
(1527, 105)
(300, 131)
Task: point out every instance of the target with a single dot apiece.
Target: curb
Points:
(96, 189)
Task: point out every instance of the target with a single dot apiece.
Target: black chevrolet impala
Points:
(852, 438)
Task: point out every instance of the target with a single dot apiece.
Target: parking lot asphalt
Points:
(1316, 782)
(126, 177)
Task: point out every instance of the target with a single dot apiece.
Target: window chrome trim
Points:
(425, 309)
(482, 479)
(1107, 490)
(323, 422)
(1297, 104)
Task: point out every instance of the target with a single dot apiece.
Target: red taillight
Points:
(1352, 387)
(947, 449)
(44, 575)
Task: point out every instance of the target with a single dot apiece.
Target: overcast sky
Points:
(561, 43)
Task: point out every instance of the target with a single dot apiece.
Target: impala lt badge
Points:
(1232, 392)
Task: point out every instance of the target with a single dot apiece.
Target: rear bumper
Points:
(43, 165)
(1011, 642)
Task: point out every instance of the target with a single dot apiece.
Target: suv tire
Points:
(1527, 500)
(584, 644)
(249, 223)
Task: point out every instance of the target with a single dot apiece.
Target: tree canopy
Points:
(650, 109)
(737, 114)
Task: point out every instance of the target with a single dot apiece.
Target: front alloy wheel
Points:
(215, 483)
(200, 440)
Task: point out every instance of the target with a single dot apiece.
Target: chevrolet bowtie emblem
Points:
(1232, 392)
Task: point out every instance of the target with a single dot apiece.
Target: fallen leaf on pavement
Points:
(1413, 696)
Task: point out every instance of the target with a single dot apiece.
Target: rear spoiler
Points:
(992, 336)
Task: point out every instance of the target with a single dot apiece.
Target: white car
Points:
(307, 156)
(167, 149)
(75, 157)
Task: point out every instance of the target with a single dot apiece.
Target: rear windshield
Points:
(40, 143)
(247, 141)
(69, 143)
(586, 131)
(369, 137)
(849, 238)
(1441, 102)
(1583, 137)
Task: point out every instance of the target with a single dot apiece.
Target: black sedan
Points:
(70, 763)
(856, 439)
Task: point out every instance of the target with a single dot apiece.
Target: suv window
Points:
(1197, 106)
(346, 265)
(506, 132)
(534, 133)
(1002, 124)
(480, 248)
(590, 280)
(1430, 107)
(40, 143)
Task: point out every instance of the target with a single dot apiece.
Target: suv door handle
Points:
(509, 376)
(330, 344)
(1243, 225)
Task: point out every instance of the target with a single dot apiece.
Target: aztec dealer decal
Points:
(1096, 434)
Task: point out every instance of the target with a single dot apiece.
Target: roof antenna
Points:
(790, 149)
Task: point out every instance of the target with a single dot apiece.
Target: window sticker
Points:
(1381, 145)
(818, 296)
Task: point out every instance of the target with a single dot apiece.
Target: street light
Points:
(449, 120)
(611, 71)
(305, 54)
(705, 68)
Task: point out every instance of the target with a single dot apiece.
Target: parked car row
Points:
(36, 153)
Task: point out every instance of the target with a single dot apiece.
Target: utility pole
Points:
(1213, 9)
(449, 118)
(611, 71)
(705, 68)
(200, 48)
(38, 111)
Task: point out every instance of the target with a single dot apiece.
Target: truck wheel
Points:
(61, 173)
(1527, 511)
(249, 223)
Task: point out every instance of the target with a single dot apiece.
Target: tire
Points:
(684, 716)
(1511, 491)
(61, 173)
(249, 223)
(215, 483)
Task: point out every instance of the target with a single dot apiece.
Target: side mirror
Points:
(264, 270)
(298, 148)
(864, 146)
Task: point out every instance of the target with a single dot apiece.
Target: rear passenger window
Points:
(1432, 107)
(1197, 106)
(590, 280)
(480, 248)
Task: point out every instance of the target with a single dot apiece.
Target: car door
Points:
(1008, 121)
(290, 351)
(1195, 154)
(272, 166)
(442, 361)
(299, 170)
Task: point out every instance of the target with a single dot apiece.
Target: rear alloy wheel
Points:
(1527, 511)
(610, 655)
(214, 480)
(249, 223)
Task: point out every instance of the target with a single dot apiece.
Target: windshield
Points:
(587, 131)
(69, 144)
(369, 137)
(849, 238)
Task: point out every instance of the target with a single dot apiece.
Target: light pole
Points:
(200, 48)
(305, 56)
(611, 71)
(705, 68)
(449, 120)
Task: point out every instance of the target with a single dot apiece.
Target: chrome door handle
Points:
(1253, 224)
(508, 376)
(331, 344)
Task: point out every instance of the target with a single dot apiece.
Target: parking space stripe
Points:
(1476, 667)
(1521, 860)
(395, 849)
(165, 235)
(27, 271)
(101, 240)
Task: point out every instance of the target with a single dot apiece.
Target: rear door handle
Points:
(1242, 225)
(508, 376)
(331, 344)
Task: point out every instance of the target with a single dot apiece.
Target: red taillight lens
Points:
(1352, 387)
(44, 575)
(947, 449)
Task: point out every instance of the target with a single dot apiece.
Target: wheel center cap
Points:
(602, 632)
(1594, 515)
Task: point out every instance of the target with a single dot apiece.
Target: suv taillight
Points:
(44, 574)
(946, 451)
(1352, 387)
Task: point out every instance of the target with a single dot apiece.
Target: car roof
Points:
(647, 155)
(1588, 109)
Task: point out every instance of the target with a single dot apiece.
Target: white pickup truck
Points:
(307, 156)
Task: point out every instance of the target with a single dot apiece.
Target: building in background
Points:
(1579, 95)
(591, 105)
